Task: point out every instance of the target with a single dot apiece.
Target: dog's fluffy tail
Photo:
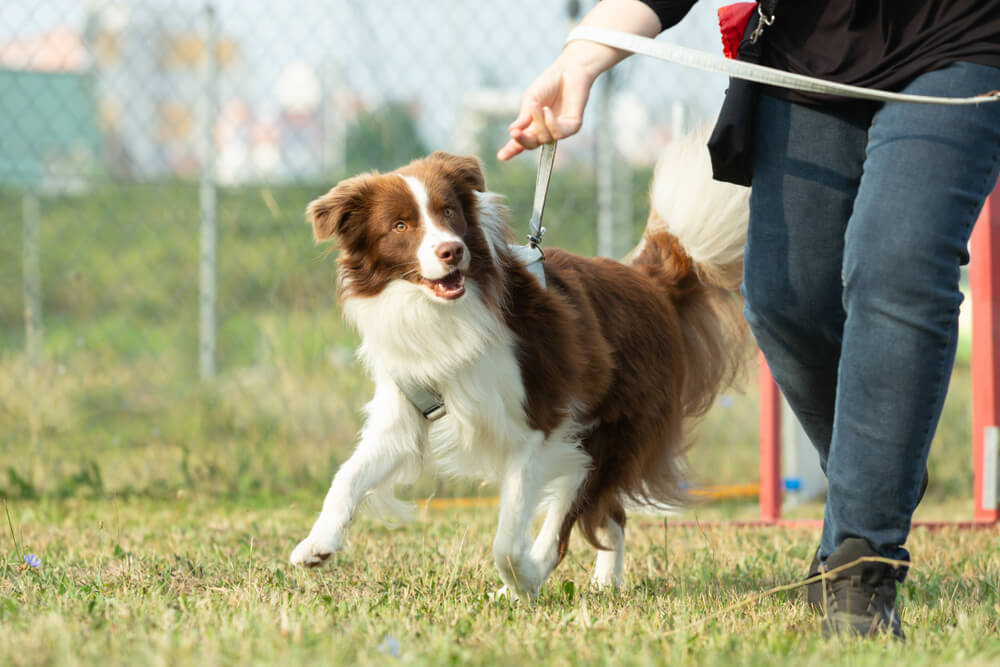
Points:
(707, 218)
(694, 241)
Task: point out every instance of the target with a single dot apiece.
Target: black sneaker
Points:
(861, 598)
(814, 590)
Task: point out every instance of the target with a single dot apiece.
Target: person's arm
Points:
(552, 106)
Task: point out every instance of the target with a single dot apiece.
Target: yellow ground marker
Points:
(706, 493)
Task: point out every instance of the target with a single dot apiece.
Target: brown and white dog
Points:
(577, 397)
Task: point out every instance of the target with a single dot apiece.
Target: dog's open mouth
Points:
(450, 287)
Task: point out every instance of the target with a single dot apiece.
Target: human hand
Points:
(551, 108)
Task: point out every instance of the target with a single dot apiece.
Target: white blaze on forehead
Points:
(434, 235)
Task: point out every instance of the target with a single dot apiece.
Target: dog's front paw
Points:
(520, 575)
(312, 552)
(605, 581)
(504, 593)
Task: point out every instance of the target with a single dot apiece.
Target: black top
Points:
(873, 43)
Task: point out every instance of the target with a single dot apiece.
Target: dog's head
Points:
(420, 223)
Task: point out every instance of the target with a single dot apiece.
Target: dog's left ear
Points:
(330, 214)
(465, 168)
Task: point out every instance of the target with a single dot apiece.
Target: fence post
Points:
(32, 276)
(32, 279)
(207, 196)
(607, 243)
(984, 285)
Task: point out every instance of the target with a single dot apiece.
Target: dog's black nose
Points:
(450, 252)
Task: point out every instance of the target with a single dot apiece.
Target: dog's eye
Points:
(400, 226)
(447, 211)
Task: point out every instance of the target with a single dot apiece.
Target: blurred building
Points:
(150, 84)
(49, 135)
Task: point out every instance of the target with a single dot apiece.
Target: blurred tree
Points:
(383, 139)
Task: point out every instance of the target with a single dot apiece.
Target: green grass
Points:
(196, 580)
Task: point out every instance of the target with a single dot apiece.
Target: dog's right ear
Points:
(330, 213)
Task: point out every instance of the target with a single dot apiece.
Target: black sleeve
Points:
(670, 12)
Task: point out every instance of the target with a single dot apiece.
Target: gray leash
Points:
(751, 72)
(546, 156)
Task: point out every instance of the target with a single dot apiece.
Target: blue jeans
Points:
(859, 223)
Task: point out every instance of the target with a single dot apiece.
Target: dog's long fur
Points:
(578, 396)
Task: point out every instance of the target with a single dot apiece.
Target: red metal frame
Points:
(769, 414)
(984, 284)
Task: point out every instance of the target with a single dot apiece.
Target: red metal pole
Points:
(769, 411)
(984, 283)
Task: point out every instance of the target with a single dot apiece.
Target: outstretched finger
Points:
(509, 150)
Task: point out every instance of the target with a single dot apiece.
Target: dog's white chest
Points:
(486, 420)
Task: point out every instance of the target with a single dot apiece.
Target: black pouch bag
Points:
(732, 139)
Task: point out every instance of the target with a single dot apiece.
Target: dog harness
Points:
(426, 399)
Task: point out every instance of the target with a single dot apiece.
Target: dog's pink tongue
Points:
(450, 286)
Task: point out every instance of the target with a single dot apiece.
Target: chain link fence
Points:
(165, 320)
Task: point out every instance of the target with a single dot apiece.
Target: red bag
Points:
(732, 139)
(733, 21)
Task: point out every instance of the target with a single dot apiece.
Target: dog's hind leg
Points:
(610, 566)
(391, 438)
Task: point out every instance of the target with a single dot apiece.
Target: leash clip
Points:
(765, 21)
(535, 241)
